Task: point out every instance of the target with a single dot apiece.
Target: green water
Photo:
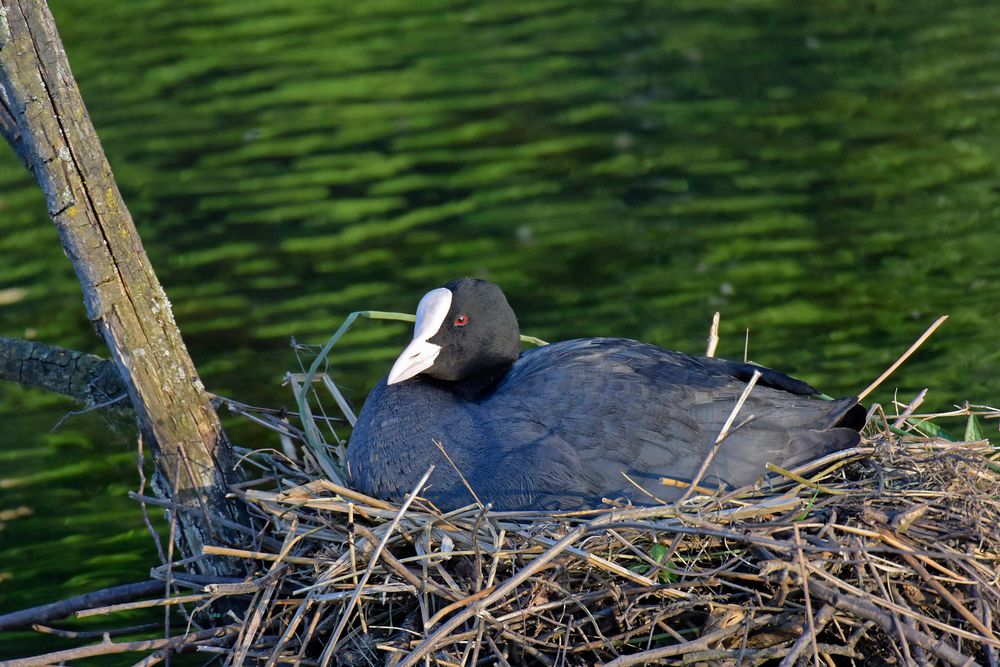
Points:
(825, 174)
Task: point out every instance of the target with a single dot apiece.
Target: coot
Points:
(560, 426)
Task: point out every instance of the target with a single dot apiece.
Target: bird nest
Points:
(883, 554)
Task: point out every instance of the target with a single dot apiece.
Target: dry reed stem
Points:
(713, 336)
(902, 358)
(107, 647)
(143, 604)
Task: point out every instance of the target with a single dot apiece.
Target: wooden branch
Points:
(109, 648)
(63, 608)
(79, 375)
(125, 302)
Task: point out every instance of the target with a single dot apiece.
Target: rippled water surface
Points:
(825, 174)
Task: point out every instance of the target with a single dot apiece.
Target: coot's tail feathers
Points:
(854, 418)
(844, 413)
(849, 414)
(841, 430)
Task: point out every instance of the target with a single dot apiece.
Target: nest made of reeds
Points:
(883, 554)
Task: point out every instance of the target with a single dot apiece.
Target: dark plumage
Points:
(557, 427)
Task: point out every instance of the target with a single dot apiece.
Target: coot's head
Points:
(465, 332)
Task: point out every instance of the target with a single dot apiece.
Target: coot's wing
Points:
(616, 406)
(526, 464)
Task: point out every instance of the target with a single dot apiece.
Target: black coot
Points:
(557, 426)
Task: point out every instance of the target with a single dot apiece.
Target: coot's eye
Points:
(461, 320)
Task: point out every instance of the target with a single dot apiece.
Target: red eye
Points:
(461, 320)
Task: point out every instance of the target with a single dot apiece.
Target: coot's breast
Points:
(393, 442)
(570, 418)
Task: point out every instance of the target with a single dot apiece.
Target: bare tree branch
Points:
(54, 610)
(79, 375)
